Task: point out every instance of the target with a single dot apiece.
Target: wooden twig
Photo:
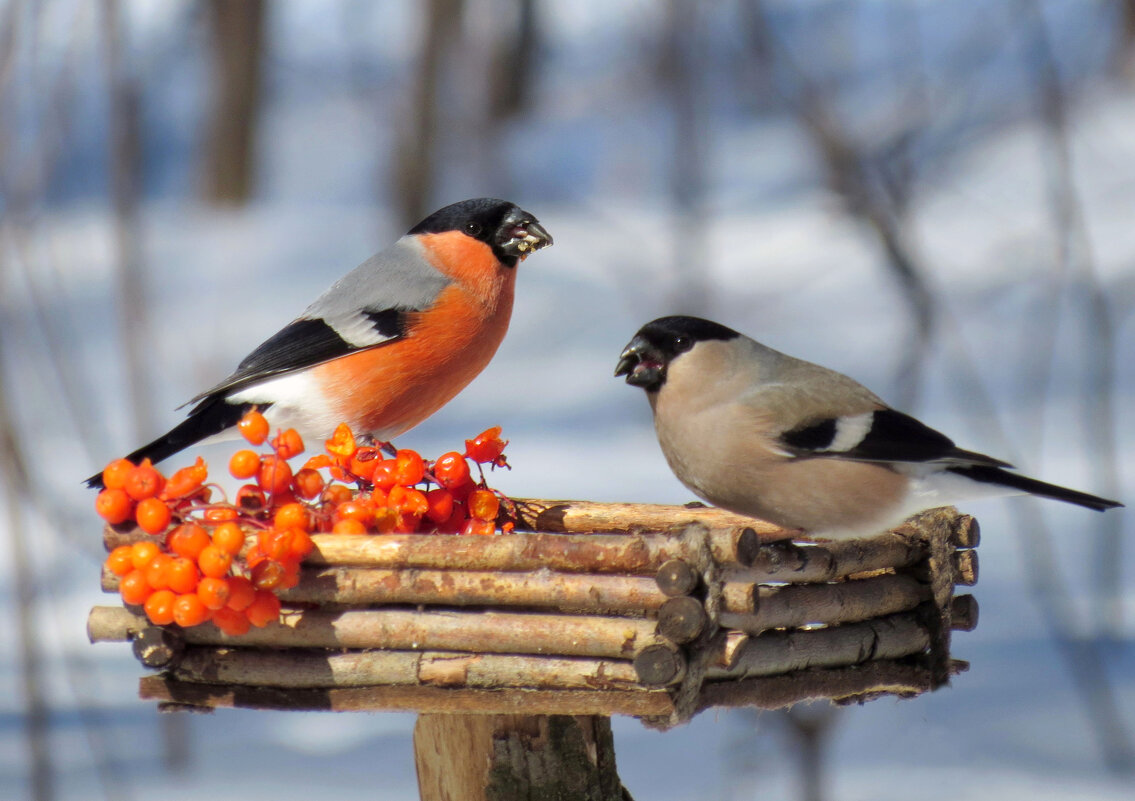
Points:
(682, 619)
(576, 592)
(963, 613)
(308, 668)
(965, 568)
(534, 514)
(840, 685)
(755, 608)
(676, 577)
(397, 629)
(417, 699)
(631, 554)
(836, 646)
(658, 665)
(798, 563)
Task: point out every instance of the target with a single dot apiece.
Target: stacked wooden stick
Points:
(595, 609)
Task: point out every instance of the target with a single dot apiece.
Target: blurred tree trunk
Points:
(238, 36)
(511, 80)
(1125, 46)
(414, 165)
(683, 63)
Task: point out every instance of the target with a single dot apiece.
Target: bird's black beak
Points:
(521, 235)
(638, 363)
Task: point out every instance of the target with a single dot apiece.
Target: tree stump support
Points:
(516, 758)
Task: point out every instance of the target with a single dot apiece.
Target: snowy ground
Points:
(786, 268)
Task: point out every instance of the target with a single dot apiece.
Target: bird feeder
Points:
(528, 642)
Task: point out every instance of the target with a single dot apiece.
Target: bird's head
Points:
(646, 358)
(509, 230)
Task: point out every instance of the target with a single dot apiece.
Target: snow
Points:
(785, 264)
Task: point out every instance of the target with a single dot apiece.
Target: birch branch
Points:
(639, 703)
(397, 629)
(296, 668)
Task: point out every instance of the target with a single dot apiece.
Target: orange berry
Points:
(335, 494)
(214, 562)
(408, 500)
(229, 537)
(483, 504)
(456, 521)
(242, 592)
(409, 468)
(407, 523)
(268, 575)
(291, 574)
(213, 592)
(342, 442)
(385, 474)
(188, 610)
(274, 475)
(144, 481)
(481, 528)
(133, 587)
(231, 622)
(253, 427)
(183, 575)
(439, 502)
(152, 515)
(188, 540)
(141, 553)
(354, 510)
(254, 556)
(114, 506)
(288, 444)
(486, 446)
(275, 543)
(157, 572)
(114, 475)
(308, 483)
(318, 462)
(299, 544)
(159, 607)
(386, 519)
(363, 462)
(220, 514)
(451, 470)
(349, 526)
(120, 560)
(244, 464)
(250, 498)
(264, 609)
(187, 480)
(292, 515)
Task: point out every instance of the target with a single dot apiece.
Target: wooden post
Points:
(516, 758)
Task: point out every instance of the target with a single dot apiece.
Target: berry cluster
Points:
(199, 566)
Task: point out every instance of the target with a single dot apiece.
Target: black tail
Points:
(211, 416)
(995, 475)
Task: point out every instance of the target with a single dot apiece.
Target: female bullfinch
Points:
(765, 435)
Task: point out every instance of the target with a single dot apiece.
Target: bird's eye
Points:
(472, 228)
(682, 344)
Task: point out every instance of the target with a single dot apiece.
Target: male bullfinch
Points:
(763, 434)
(388, 344)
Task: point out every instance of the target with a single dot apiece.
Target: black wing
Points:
(306, 341)
(883, 435)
